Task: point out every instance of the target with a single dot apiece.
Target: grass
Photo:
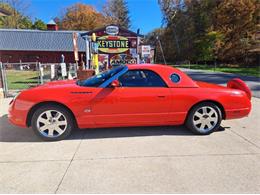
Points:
(21, 79)
(25, 79)
(247, 71)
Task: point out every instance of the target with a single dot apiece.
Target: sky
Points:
(145, 14)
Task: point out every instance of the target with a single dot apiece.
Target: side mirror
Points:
(115, 83)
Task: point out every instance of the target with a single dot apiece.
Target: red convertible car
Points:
(131, 95)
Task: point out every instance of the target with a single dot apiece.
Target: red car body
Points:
(95, 107)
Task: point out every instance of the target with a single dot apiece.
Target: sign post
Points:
(75, 47)
(87, 53)
(95, 53)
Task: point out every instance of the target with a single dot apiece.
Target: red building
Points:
(115, 45)
(18, 45)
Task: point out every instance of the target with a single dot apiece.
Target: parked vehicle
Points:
(132, 95)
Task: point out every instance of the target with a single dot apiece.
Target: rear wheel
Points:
(204, 118)
(52, 123)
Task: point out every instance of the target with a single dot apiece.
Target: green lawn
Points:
(24, 79)
(21, 79)
(248, 71)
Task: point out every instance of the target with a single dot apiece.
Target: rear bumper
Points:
(237, 113)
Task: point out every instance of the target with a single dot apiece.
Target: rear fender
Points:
(241, 85)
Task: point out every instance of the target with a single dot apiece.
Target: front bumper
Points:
(15, 116)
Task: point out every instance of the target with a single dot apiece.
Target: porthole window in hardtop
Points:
(175, 78)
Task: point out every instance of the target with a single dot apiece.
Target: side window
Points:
(141, 78)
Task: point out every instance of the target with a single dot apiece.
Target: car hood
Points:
(62, 82)
(57, 85)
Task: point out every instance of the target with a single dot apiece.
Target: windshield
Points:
(97, 80)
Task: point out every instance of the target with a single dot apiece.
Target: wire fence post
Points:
(41, 73)
(4, 79)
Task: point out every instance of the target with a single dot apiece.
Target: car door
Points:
(142, 99)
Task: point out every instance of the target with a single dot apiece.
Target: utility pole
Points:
(159, 41)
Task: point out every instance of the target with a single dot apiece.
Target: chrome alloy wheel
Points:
(51, 123)
(205, 119)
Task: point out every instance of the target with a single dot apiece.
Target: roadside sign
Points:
(52, 71)
(146, 50)
(112, 30)
(63, 69)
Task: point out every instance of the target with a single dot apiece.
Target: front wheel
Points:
(52, 123)
(204, 118)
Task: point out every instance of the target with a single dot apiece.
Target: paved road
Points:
(223, 78)
(133, 160)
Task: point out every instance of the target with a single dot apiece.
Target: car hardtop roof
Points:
(155, 67)
(165, 71)
(152, 66)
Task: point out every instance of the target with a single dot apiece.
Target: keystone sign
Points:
(113, 44)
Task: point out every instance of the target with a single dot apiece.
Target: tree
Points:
(206, 30)
(153, 38)
(208, 46)
(187, 23)
(82, 17)
(17, 19)
(237, 21)
(117, 12)
(25, 23)
(39, 24)
(58, 21)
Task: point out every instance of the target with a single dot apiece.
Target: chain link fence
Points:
(20, 76)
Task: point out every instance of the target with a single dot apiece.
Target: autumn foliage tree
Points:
(236, 21)
(208, 30)
(82, 17)
(117, 12)
(17, 18)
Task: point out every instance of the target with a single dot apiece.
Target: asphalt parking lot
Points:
(133, 160)
(222, 78)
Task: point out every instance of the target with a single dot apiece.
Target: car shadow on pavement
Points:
(11, 133)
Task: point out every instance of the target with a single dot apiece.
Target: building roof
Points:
(122, 31)
(37, 40)
(51, 22)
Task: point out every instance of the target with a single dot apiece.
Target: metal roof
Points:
(38, 40)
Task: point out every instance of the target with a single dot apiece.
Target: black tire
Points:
(192, 118)
(66, 116)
